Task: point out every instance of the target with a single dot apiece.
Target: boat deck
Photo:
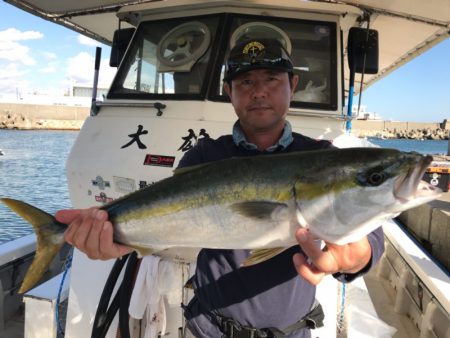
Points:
(380, 291)
(383, 295)
(14, 328)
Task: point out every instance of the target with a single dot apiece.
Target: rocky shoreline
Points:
(9, 120)
(416, 134)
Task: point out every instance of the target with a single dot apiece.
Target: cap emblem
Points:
(253, 50)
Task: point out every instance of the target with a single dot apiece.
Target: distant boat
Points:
(1, 152)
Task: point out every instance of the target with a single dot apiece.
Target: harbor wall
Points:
(393, 129)
(39, 116)
(379, 125)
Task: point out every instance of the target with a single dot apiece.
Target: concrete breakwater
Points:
(402, 130)
(37, 116)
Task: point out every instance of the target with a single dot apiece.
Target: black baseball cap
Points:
(257, 54)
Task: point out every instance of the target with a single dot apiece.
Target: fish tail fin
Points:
(50, 239)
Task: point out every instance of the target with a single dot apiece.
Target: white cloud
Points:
(12, 34)
(49, 65)
(26, 71)
(10, 71)
(47, 70)
(84, 40)
(81, 70)
(49, 55)
(13, 51)
(11, 79)
(80, 67)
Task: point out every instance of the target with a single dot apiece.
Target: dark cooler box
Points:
(438, 176)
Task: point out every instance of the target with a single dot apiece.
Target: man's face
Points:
(261, 98)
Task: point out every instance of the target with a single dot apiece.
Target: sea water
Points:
(33, 170)
(431, 147)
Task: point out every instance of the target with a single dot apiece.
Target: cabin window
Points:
(183, 58)
(312, 46)
(166, 59)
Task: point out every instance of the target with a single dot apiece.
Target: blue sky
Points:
(418, 91)
(37, 56)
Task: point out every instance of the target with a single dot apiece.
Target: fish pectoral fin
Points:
(261, 255)
(180, 254)
(177, 254)
(262, 210)
(143, 251)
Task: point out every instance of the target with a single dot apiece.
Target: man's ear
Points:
(294, 83)
(227, 89)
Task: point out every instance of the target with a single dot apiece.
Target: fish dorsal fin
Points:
(196, 167)
(262, 210)
(183, 170)
(261, 255)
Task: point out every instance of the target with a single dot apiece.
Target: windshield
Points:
(167, 58)
(184, 58)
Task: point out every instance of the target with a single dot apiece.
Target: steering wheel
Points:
(182, 46)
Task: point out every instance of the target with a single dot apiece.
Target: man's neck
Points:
(264, 139)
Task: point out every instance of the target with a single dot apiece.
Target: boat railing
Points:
(15, 257)
(421, 286)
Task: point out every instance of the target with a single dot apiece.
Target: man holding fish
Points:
(271, 298)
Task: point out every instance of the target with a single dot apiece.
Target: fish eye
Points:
(375, 178)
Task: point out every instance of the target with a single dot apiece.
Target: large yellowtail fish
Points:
(256, 203)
